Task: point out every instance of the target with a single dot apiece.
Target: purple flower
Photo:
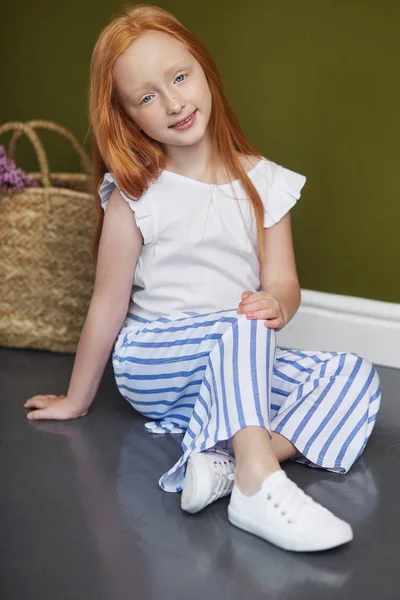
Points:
(11, 177)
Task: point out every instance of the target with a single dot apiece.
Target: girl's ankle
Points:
(249, 480)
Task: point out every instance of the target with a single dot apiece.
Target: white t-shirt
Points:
(200, 248)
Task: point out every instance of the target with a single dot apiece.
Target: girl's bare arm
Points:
(119, 250)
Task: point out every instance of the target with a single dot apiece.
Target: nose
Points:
(174, 104)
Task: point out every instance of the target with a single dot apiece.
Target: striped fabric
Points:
(206, 376)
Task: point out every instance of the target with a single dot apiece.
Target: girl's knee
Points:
(368, 374)
(365, 366)
(351, 361)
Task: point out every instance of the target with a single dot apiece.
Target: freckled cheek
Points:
(152, 122)
(200, 96)
(204, 100)
(148, 124)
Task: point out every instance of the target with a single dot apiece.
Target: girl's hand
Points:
(262, 305)
(52, 407)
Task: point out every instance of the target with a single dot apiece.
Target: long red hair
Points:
(119, 147)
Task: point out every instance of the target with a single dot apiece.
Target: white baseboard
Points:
(370, 328)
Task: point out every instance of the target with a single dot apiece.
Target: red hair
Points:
(118, 145)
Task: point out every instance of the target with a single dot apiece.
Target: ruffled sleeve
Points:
(283, 191)
(143, 207)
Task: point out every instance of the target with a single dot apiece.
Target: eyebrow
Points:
(167, 72)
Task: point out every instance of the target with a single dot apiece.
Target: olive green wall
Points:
(315, 85)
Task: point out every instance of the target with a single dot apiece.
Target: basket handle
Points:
(41, 154)
(20, 128)
(51, 126)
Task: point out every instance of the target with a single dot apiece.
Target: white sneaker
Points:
(209, 476)
(284, 515)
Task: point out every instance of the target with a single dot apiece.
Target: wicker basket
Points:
(46, 268)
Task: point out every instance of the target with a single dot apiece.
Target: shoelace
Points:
(294, 504)
(224, 470)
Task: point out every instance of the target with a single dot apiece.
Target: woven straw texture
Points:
(46, 267)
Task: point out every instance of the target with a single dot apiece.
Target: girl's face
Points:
(159, 82)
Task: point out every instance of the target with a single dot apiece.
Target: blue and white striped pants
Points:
(210, 375)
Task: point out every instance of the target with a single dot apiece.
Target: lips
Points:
(181, 120)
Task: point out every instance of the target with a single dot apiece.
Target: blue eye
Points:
(181, 75)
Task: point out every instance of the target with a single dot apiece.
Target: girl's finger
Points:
(259, 305)
(41, 400)
(36, 402)
(273, 323)
(35, 415)
(266, 313)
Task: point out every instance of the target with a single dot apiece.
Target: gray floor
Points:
(82, 516)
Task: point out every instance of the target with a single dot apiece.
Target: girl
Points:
(195, 274)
